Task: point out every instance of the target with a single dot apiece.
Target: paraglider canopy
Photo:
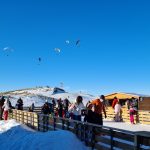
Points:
(67, 41)
(57, 50)
(39, 59)
(7, 50)
(77, 42)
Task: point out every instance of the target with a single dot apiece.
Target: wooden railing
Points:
(142, 117)
(36, 109)
(95, 136)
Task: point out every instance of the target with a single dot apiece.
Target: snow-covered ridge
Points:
(40, 94)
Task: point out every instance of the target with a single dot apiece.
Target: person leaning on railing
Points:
(2, 100)
(76, 108)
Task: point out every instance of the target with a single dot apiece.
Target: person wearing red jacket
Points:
(115, 101)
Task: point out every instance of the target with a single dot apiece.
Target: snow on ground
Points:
(126, 126)
(44, 91)
(7, 125)
(15, 137)
(28, 100)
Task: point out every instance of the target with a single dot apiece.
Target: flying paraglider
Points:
(7, 50)
(67, 41)
(57, 50)
(77, 42)
(39, 59)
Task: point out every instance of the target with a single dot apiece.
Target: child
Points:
(131, 112)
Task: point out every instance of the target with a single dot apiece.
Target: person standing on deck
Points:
(77, 108)
(60, 107)
(114, 102)
(66, 105)
(117, 112)
(98, 109)
(2, 100)
(131, 112)
(19, 104)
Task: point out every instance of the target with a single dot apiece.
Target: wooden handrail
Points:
(109, 135)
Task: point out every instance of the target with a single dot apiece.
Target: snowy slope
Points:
(39, 95)
(14, 137)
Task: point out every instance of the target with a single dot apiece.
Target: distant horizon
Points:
(74, 91)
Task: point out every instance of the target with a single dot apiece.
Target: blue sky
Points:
(113, 54)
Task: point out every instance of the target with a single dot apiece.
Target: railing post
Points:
(82, 132)
(111, 139)
(47, 122)
(44, 118)
(93, 137)
(76, 128)
(54, 125)
(68, 123)
(33, 120)
(38, 122)
(63, 122)
(27, 119)
(12, 114)
(17, 115)
(22, 117)
(136, 142)
(86, 134)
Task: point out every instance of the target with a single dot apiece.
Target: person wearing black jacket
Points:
(19, 104)
(66, 105)
(45, 109)
(60, 108)
(2, 100)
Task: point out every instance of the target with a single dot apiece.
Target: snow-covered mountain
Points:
(39, 95)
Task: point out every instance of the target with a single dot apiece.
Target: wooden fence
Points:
(36, 109)
(95, 136)
(142, 116)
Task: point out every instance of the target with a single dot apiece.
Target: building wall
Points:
(144, 104)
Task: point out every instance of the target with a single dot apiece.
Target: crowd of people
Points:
(92, 112)
(5, 107)
(132, 107)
